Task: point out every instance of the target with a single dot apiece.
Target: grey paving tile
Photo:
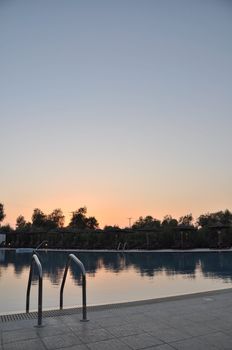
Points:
(196, 329)
(193, 344)
(161, 347)
(51, 330)
(154, 326)
(78, 347)
(18, 335)
(138, 318)
(10, 326)
(183, 324)
(97, 315)
(128, 329)
(169, 334)
(112, 321)
(200, 316)
(73, 319)
(141, 341)
(61, 341)
(51, 321)
(220, 324)
(177, 319)
(94, 335)
(218, 339)
(32, 344)
(226, 331)
(82, 326)
(112, 344)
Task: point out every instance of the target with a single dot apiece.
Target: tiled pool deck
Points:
(198, 322)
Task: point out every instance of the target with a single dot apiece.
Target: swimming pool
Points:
(112, 277)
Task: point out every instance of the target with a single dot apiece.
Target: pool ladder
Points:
(123, 246)
(35, 261)
(72, 257)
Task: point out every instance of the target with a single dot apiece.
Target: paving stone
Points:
(218, 339)
(94, 335)
(154, 326)
(193, 344)
(51, 330)
(161, 347)
(169, 334)
(141, 341)
(200, 316)
(18, 335)
(10, 326)
(51, 321)
(61, 341)
(32, 344)
(128, 329)
(77, 347)
(221, 324)
(112, 344)
(196, 329)
(139, 319)
(82, 326)
(112, 321)
(190, 324)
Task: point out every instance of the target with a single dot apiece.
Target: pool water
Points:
(112, 277)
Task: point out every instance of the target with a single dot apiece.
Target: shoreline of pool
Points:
(196, 250)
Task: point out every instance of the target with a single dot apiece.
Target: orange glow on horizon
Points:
(105, 212)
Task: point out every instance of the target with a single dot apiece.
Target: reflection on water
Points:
(132, 276)
(2, 255)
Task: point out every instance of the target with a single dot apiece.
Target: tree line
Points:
(213, 230)
(54, 220)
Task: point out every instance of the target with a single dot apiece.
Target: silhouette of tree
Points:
(81, 221)
(91, 223)
(6, 229)
(39, 219)
(186, 220)
(210, 219)
(148, 222)
(57, 217)
(111, 228)
(2, 214)
(169, 222)
(20, 222)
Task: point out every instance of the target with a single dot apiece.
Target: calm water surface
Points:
(112, 277)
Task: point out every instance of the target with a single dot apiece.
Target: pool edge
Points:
(71, 311)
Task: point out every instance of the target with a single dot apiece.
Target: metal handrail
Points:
(79, 263)
(119, 245)
(40, 245)
(35, 260)
(124, 246)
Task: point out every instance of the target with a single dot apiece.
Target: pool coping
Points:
(195, 250)
(71, 311)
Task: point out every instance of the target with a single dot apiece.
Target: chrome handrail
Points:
(35, 260)
(72, 257)
(119, 245)
(40, 245)
(124, 246)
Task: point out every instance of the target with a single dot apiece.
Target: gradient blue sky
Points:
(123, 106)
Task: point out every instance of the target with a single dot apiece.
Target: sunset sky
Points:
(124, 106)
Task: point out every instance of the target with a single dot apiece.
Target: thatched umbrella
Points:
(218, 227)
(184, 229)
